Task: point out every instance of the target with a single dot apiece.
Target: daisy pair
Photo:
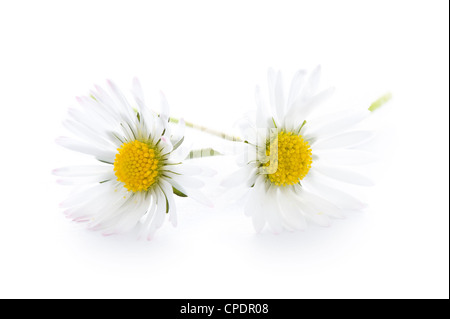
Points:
(140, 162)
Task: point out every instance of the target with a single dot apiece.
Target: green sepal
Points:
(167, 205)
(274, 123)
(303, 124)
(104, 161)
(178, 193)
(178, 143)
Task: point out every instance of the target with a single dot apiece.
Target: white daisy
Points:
(292, 155)
(137, 168)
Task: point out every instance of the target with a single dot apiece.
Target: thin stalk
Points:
(208, 130)
(204, 152)
(380, 102)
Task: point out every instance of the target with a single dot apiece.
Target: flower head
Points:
(138, 164)
(293, 153)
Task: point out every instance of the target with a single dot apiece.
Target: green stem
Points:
(380, 102)
(204, 152)
(208, 130)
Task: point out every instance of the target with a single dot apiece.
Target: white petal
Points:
(148, 217)
(279, 96)
(89, 135)
(237, 178)
(344, 175)
(314, 215)
(199, 197)
(291, 212)
(253, 176)
(137, 91)
(103, 98)
(130, 217)
(340, 124)
(253, 200)
(161, 209)
(165, 109)
(271, 81)
(86, 170)
(249, 132)
(271, 210)
(337, 197)
(85, 195)
(168, 192)
(344, 140)
(159, 126)
(121, 103)
(192, 193)
(113, 214)
(247, 154)
(187, 181)
(258, 222)
(310, 212)
(89, 179)
(262, 113)
(117, 93)
(97, 116)
(147, 118)
(301, 109)
(315, 101)
(346, 157)
(181, 153)
(177, 137)
(165, 145)
(186, 169)
(253, 206)
(90, 201)
(313, 82)
(296, 85)
(100, 154)
(321, 204)
(208, 172)
(127, 131)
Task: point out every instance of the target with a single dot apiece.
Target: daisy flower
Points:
(137, 163)
(293, 152)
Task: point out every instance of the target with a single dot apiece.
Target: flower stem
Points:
(208, 130)
(380, 102)
(204, 152)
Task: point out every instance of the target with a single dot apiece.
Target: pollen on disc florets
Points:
(291, 156)
(137, 165)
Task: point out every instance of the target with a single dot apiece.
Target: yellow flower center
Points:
(137, 166)
(290, 160)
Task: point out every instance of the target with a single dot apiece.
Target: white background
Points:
(207, 56)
